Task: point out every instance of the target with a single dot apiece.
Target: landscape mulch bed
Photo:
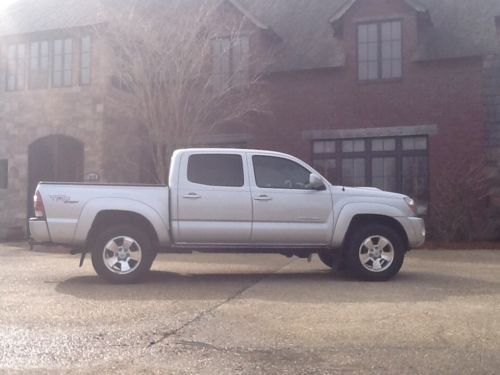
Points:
(477, 245)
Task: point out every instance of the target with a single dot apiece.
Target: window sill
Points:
(47, 90)
(380, 81)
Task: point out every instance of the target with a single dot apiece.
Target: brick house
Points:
(385, 93)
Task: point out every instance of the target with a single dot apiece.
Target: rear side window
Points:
(216, 170)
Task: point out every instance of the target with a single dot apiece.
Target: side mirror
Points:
(315, 182)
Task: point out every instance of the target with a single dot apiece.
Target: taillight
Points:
(38, 205)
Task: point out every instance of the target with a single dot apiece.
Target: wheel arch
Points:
(361, 220)
(107, 218)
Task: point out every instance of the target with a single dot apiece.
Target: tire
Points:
(375, 253)
(327, 258)
(122, 254)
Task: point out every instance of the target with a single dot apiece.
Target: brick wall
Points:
(443, 96)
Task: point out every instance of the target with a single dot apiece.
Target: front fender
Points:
(94, 206)
(350, 210)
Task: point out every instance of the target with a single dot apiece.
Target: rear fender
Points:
(94, 206)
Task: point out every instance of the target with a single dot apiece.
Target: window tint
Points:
(279, 173)
(3, 174)
(216, 170)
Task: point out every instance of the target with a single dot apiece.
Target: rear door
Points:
(213, 199)
(285, 210)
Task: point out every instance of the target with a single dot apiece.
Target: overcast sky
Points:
(6, 3)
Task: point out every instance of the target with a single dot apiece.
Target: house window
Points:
(380, 50)
(16, 67)
(4, 167)
(230, 62)
(62, 68)
(398, 164)
(85, 60)
(39, 65)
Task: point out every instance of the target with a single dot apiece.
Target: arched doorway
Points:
(53, 158)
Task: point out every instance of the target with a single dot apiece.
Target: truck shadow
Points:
(319, 286)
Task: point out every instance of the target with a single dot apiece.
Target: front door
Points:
(285, 210)
(213, 200)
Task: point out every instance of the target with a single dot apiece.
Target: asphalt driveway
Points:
(250, 314)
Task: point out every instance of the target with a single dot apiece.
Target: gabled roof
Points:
(339, 14)
(27, 16)
(460, 28)
(247, 14)
(251, 17)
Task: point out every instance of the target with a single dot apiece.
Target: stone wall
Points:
(3, 192)
(28, 115)
(491, 81)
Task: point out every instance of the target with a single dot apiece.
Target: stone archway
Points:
(54, 158)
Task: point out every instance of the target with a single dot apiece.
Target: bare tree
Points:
(172, 66)
(458, 209)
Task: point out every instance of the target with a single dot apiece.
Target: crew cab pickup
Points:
(229, 200)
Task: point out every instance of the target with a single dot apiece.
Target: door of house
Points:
(54, 158)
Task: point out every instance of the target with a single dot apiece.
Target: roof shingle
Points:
(460, 28)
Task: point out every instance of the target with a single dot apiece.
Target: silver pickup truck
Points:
(229, 200)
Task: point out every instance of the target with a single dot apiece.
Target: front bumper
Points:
(39, 231)
(415, 230)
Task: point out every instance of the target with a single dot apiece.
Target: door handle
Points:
(191, 196)
(263, 198)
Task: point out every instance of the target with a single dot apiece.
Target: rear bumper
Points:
(39, 231)
(415, 230)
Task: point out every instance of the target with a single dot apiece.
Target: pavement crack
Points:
(206, 312)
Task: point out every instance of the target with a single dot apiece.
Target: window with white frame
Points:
(398, 164)
(85, 60)
(62, 66)
(39, 65)
(380, 50)
(230, 62)
(16, 67)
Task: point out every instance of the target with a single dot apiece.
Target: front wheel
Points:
(375, 253)
(122, 254)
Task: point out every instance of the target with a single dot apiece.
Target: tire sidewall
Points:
(354, 244)
(140, 236)
(327, 258)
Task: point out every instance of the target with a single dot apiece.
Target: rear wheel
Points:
(122, 254)
(375, 253)
(327, 258)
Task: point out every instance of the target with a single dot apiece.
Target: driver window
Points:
(278, 173)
